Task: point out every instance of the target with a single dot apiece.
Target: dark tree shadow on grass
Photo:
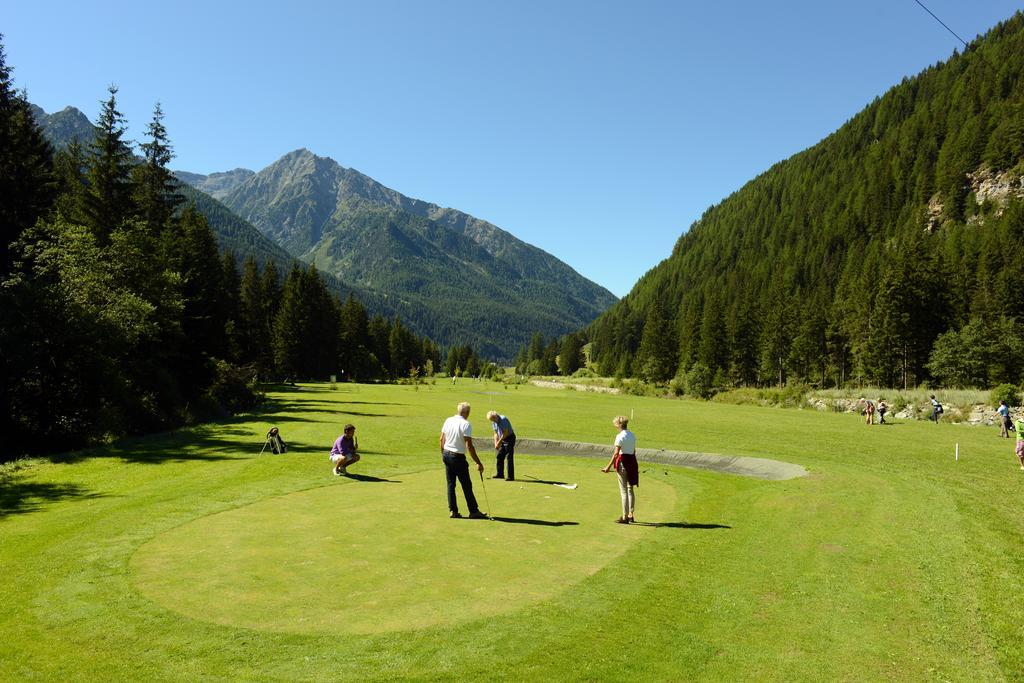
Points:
(19, 497)
(535, 480)
(205, 443)
(679, 525)
(275, 410)
(538, 522)
(231, 438)
(367, 477)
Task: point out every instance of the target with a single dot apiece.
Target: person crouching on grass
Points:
(344, 452)
(626, 467)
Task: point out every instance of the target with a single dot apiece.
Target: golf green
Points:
(375, 554)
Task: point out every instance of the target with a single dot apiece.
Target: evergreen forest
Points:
(890, 253)
(119, 313)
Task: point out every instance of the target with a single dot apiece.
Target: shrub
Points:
(699, 381)
(1005, 392)
(636, 387)
(584, 372)
(233, 388)
(790, 396)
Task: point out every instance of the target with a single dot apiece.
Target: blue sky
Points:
(598, 131)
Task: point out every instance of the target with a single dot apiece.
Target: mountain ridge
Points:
(416, 254)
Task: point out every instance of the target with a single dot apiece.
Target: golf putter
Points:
(486, 499)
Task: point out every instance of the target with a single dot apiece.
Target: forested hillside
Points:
(891, 252)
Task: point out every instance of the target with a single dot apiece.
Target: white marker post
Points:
(958, 452)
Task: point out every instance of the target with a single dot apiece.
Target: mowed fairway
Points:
(189, 556)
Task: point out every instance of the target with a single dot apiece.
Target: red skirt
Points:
(629, 463)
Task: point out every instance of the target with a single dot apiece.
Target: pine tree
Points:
(742, 334)
(156, 192)
(536, 350)
(26, 166)
(714, 349)
(379, 333)
(776, 332)
(190, 248)
(69, 173)
(108, 200)
(354, 339)
(570, 357)
(658, 346)
(230, 303)
(253, 330)
(403, 350)
(289, 326)
(320, 337)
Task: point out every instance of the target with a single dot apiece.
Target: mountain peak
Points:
(417, 254)
(65, 126)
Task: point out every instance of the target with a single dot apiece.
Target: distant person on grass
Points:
(456, 439)
(1020, 442)
(936, 409)
(1005, 425)
(626, 467)
(504, 445)
(344, 452)
(869, 411)
(882, 410)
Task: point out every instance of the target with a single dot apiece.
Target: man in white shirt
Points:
(456, 439)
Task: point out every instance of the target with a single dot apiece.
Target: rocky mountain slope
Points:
(454, 277)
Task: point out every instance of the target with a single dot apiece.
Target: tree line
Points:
(875, 256)
(118, 312)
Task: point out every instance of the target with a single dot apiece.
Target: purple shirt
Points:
(345, 445)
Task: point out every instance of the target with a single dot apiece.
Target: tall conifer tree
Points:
(156, 188)
(108, 200)
(26, 166)
(658, 346)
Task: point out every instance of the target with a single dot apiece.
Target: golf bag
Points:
(276, 443)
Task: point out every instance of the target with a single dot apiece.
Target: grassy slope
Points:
(890, 561)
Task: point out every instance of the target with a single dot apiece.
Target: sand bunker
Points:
(758, 468)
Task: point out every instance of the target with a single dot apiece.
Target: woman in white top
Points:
(625, 465)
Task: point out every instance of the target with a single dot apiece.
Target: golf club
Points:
(486, 499)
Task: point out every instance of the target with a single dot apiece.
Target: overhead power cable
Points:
(941, 22)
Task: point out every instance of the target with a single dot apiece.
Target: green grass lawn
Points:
(188, 555)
